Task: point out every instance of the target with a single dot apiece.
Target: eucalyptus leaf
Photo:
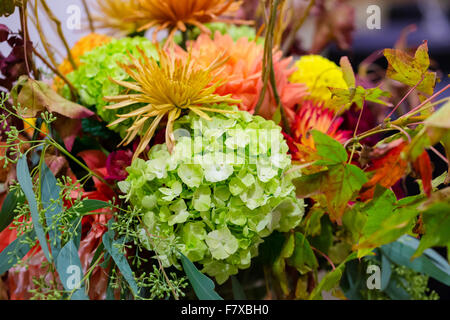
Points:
(70, 271)
(430, 263)
(15, 251)
(203, 286)
(7, 213)
(24, 178)
(52, 205)
(120, 260)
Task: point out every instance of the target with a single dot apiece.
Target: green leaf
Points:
(400, 222)
(354, 221)
(238, 291)
(410, 70)
(203, 286)
(52, 205)
(67, 263)
(23, 176)
(343, 184)
(277, 115)
(329, 149)
(340, 184)
(324, 240)
(436, 222)
(380, 208)
(7, 213)
(346, 97)
(430, 262)
(89, 205)
(331, 279)
(120, 260)
(303, 258)
(15, 251)
(279, 266)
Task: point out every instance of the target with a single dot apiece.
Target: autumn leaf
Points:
(422, 165)
(436, 129)
(347, 71)
(339, 183)
(346, 97)
(36, 96)
(410, 70)
(33, 97)
(388, 165)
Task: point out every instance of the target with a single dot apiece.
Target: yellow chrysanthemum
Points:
(85, 44)
(167, 87)
(318, 73)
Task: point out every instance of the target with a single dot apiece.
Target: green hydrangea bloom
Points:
(221, 191)
(91, 79)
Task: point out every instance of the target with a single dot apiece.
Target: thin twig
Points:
(42, 37)
(59, 74)
(291, 36)
(325, 256)
(23, 18)
(88, 13)
(354, 132)
(406, 96)
(440, 155)
(60, 33)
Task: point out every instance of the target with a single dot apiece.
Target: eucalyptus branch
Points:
(161, 267)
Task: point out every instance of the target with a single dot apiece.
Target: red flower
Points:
(313, 116)
(116, 163)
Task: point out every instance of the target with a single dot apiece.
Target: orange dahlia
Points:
(83, 45)
(241, 74)
(313, 116)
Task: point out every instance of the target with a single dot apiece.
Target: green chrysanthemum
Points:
(221, 191)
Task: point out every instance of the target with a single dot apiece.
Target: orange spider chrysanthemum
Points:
(313, 116)
(177, 14)
(114, 16)
(241, 74)
(85, 44)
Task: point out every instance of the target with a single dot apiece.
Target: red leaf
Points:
(389, 167)
(422, 165)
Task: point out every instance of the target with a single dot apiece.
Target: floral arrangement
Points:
(217, 153)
